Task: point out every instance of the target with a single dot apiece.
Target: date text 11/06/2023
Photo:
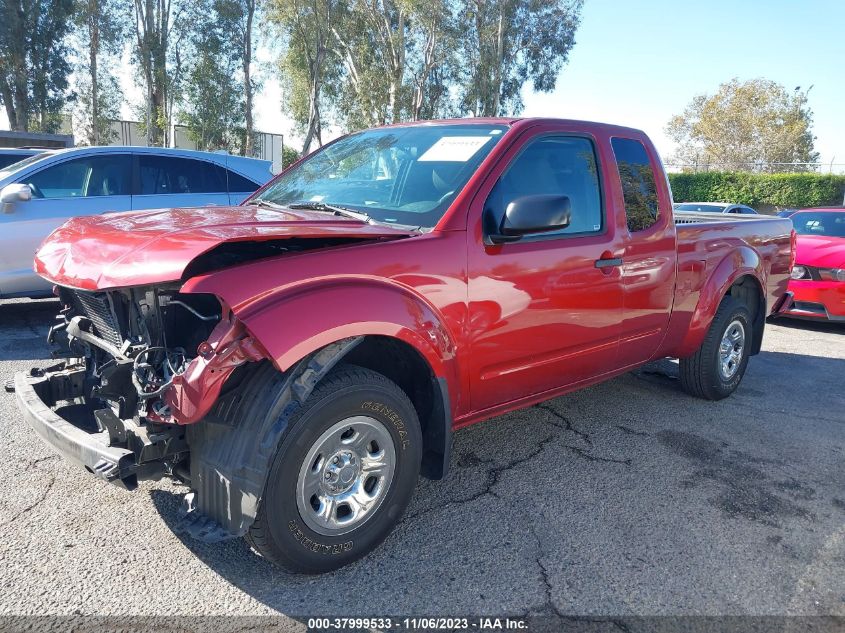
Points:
(419, 624)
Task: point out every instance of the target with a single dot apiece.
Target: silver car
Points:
(40, 193)
(714, 207)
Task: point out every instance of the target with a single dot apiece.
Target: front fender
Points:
(295, 322)
(739, 263)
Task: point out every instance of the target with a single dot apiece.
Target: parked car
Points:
(818, 278)
(42, 192)
(787, 213)
(713, 207)
(11, 155)
(301, 359)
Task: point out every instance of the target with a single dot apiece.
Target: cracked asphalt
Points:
(628, 498)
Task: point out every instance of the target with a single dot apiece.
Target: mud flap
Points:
(231, 458)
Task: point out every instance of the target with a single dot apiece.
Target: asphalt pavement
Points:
(626, 498)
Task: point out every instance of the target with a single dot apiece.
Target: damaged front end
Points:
(138, 364)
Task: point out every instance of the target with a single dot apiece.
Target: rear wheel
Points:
(342, 476)
(716, 369)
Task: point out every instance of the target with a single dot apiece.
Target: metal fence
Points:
(268, 146)
(759, 167)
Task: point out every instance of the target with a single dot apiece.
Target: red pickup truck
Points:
(299, 360)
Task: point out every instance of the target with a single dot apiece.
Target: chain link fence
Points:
(759, 167)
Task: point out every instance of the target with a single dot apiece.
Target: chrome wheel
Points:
(345, 475)
(730, 349)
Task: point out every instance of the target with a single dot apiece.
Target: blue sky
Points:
(639, 63)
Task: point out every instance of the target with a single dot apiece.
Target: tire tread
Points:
(341, 377)
(697, 372)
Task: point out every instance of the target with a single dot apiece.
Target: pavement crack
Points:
(567, 423)
(595, 458)
(493, 476)
(33, 463)
(34, 504)
(549, 605)
(568, 426)
(630, 431)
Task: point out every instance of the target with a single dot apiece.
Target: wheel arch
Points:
(740, 274)
(407, 367)
(231, 450)
(749, 290)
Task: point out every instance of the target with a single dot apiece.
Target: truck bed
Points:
(711, 246)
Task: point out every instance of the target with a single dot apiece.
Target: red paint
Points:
(193, 392)
(504, 325)
(147, 247)
(819, 251)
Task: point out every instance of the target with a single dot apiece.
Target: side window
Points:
(9, 159)
(161, 175)
(638, 185)
(83, 178)
(238, 183)
(559, 165)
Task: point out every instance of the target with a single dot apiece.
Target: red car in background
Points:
(818, 277)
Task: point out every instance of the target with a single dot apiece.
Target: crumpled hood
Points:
(148, 247)
(820, 251)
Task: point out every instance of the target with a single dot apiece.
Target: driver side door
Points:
(86, 185)
(544, 311)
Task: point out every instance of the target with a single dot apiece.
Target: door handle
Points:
(607, 263)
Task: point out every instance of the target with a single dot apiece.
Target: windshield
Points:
(700, 208)
(827, 223)
(10, 169)
(406, 175)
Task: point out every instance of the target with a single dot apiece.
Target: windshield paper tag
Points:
(454, 149)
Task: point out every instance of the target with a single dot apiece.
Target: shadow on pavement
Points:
(810, 325)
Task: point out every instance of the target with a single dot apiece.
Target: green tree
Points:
(212, 108)
(34, 65)
(309, 63)
(101, 31)
(289, 156)
(239, 18)
(433, 59)
(162, 32)
(399, 57)
(751, 125)
(370, 62)
(512, 42)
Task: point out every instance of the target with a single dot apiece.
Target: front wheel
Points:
(716, 369)
(342, 475)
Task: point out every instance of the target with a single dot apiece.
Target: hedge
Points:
(759, 190)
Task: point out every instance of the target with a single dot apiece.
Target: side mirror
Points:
(10, 194)
(532, 214)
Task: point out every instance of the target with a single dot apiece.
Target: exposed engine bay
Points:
(134, 341)
(142, 363)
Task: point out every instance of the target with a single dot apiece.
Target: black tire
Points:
(280, 534)
(700, 373)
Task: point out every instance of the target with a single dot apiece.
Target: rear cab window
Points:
(639, 187)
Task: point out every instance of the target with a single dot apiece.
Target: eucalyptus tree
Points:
(162, 33)
(310, 64)
(510, 43)
(34, 66)
(102, 28)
